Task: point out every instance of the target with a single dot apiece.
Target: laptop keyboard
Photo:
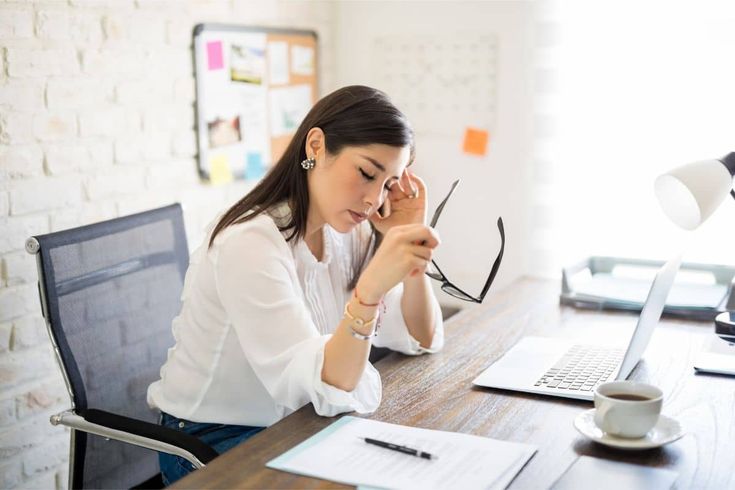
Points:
(582, 368)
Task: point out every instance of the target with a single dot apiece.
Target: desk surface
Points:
(436, 392)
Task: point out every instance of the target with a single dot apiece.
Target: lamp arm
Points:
(729, 162)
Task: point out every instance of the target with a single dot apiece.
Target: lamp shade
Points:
(690, 194)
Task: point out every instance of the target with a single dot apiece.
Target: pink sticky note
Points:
(214, 55)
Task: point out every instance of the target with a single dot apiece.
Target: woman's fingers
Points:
(385, 210)
(419, 266)
(417, 181)
(397, 189)
(409, 187)
(421, 252)
(421, 235)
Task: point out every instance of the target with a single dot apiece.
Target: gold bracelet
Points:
(360, 323)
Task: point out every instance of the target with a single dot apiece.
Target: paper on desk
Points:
(601, 474)
(716, 356)
(338, 453)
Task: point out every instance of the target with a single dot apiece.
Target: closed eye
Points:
(367, 176)
(371, 178)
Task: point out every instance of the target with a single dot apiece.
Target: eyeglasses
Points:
(447, 285)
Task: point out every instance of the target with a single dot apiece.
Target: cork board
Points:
(254, 86)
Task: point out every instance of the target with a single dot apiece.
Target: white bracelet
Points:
(360, 323)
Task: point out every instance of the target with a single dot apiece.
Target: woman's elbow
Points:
(341, 383)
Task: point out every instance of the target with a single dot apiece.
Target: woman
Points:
(292, 287)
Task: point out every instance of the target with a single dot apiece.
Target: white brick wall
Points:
(16, 128)
(44, 193)
(16, 23)
(17, 161)
(4, 203)
(42, 63)
(96, 121)
(22, 95)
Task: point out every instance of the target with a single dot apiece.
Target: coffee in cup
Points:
(626, 408)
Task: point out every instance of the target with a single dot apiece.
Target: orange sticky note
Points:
(475, 141)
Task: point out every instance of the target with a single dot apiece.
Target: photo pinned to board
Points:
(247, 63)
(223, 132)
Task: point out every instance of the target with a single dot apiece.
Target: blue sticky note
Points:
(254, 168)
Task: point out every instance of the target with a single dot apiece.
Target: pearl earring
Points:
(308, 163)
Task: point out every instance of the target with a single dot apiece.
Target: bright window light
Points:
(643, 87)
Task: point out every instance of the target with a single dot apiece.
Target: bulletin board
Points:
(254, 85)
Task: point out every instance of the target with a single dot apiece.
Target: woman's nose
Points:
(373, 200)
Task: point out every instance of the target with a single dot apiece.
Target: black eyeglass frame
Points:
(447, 286)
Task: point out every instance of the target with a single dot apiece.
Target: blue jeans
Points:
(221, 437)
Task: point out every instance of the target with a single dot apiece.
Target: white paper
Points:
(716, 356)
(613, 475)
(302, 60)
(289, 106)
(278, 63)
(463, 461)
(254, 123)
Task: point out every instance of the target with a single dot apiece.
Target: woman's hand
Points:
(405, 250)
(401, 207)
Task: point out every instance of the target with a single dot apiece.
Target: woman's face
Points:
(346, 188)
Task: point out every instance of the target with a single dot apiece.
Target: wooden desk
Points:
(436, 392)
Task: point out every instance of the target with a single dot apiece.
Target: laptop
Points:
(560, 367)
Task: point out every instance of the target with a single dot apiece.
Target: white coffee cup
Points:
(626, 408)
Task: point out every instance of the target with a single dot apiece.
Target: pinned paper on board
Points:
(254, 168)
(475, 141)
(219, 170)
(247, 62)
(289, 106)
(278, 63)
(302, 60)
(215, 60)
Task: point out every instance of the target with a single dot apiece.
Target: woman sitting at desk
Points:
(283, 301)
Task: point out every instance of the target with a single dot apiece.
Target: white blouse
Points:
(256, 313)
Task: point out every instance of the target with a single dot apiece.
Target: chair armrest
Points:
(138, 432)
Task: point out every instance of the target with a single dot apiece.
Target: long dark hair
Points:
(351, 116)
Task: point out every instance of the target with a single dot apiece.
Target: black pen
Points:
(401, 449)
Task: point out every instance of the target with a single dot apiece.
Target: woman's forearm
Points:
(418, 310)
(345, 356)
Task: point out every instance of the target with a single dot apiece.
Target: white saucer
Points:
(665, 431)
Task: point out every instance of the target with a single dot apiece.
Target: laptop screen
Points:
(652, 309)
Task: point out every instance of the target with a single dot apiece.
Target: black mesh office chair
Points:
(109, 292)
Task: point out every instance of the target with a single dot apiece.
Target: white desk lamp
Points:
(689, 195)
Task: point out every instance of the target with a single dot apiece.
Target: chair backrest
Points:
(110, 291)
